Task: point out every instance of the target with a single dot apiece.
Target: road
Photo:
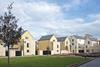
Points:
(93, 63)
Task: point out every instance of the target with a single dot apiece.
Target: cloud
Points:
(74, 4)
(42, 18)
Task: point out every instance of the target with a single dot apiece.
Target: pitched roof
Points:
(93, 39)
(47, 37)
(61, 39)
(78, 37)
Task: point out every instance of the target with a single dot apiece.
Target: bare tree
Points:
(10, 33)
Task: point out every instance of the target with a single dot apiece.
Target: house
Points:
(64, 45)
(99, 45)
(84, 44)
(27, 44)
(91, 44)
(25, 47)
(48, 45)
(77, 44)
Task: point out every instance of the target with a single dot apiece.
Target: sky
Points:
(59, 17)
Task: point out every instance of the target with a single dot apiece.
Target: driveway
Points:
(93, 63)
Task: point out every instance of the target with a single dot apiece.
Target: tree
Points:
(10, 33)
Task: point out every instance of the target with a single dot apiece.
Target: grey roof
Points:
(47, 37)
(93, 39)
(78, 37)
(90, 37)
(61, 39)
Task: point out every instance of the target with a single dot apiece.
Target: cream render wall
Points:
(2, 50)
(56, 45)
(27, 38)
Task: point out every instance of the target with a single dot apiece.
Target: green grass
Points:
(40, 61)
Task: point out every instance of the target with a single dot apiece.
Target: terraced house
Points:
(84, 44)
(64, 45)
(25, 47)
(48, 45)
(77, 44)
(91, 44)
(51, 45)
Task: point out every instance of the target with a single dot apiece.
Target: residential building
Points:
(48, 45)
(84, 44)
(91, 44)
(28, 44)
(25, 47)
(77, 44)
(64, 45)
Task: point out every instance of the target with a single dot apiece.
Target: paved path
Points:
(94, 63)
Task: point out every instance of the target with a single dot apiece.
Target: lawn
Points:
(41, 61)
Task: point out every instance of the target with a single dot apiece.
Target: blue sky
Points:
(60, 17)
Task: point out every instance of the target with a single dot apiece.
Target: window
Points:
(73, 51)
(87, 50)
(26, 37)
(27, 44)
(72, 43)
(86, 46)
(72, 39)
(70, 47)
(53, 40)
(57, 46)
(88, 42)
(27, 51)
(79, 47)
